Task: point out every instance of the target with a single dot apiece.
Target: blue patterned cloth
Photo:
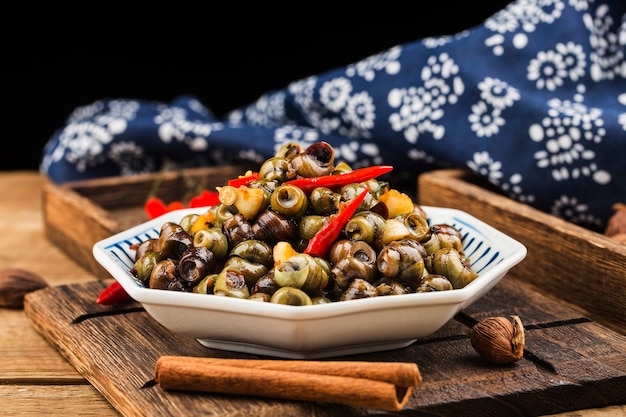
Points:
(533, 100)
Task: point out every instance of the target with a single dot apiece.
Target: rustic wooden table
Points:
(34, 378)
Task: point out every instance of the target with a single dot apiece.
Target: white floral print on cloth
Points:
(533, 100)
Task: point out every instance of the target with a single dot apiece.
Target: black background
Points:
(225, 58)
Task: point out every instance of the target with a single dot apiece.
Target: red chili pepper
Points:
(205, 198)
(113, 294)
(175, 205)
(326, 236)
(155, 207)
(338, 180)
(244, 180)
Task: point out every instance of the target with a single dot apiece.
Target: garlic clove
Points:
(499, 339)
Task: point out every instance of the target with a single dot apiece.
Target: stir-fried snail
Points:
(272, 227)
(350, 191)
(434, 282)
(231, 283)
(251, 271)
(388, 286)
(443, 236)
(255, 251)
(206, 285)
(196, 263)
(237, 229)
(222, 213)
(256, 243)
(148, 245)
(266, 284)
(289, 201)
(317, 160)
(276, 169)
(173, 240)
(310, 225)
(163, 275)
(351, 260)
(451, 264)
(402, 260)
(143, 266)
(302, 271)
(324, 201)
(291, 296)
(366, 226)
(288, 150)
(213, 239)
(359, 288)
(417, 226)
(188, 221)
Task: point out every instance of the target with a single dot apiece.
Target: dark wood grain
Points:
(570, 363)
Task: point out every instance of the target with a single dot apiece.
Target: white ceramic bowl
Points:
(316, 331)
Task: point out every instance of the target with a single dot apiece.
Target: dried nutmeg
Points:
(15, 283)
(499, 339)
(616, 226)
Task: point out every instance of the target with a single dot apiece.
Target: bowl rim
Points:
(517, 252)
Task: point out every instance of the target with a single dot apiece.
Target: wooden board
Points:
(78, 214)
(567, 261)
(570, 362)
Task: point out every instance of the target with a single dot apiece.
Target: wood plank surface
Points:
(570, 363)
(54, 400)
(35, 379)
(22, 347)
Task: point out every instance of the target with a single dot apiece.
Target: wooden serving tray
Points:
(78, 214)
(570, 361)
(564, 260)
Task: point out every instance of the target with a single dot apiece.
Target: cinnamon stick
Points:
(382, 385)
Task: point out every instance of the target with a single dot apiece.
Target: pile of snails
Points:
(260, 243)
